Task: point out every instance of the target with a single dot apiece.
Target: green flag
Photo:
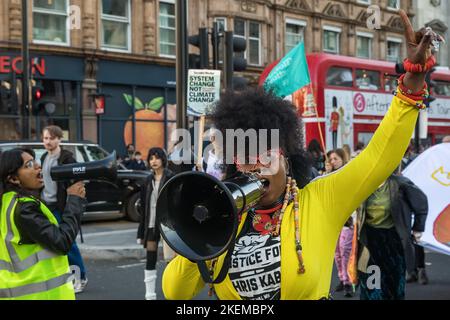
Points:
(290, 74)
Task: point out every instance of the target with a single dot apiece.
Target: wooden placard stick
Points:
(201, 128)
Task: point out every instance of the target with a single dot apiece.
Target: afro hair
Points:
(253, 108)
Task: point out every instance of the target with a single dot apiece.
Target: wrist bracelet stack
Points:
(406, 94)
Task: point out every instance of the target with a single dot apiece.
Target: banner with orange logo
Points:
(430, 171)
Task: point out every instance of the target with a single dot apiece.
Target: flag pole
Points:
(322, 142)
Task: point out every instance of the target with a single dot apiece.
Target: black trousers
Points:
(334, 134)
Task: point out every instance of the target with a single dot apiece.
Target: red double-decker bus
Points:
(352, 95)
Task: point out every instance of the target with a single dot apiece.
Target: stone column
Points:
(15, 20)
(150, 27)
(89, 24)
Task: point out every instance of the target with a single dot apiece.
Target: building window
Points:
(364, 45)
(221, 27)
(116, 25)
(364, 1)
(167, 36)
(50, 22)
(221, 24)
(393, 48)
(295, 33)
(331, 39)
(393, 4)
(251, 32)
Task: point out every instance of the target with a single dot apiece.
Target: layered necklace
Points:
(268, 221)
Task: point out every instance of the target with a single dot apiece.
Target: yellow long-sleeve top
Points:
(325, 205)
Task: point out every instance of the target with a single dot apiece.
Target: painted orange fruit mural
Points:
(149, 124)
(442, 227)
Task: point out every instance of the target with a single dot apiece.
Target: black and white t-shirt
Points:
(255, 266)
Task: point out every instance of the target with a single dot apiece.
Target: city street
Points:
(122, 279)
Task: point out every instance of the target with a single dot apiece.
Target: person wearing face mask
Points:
(337, 159)
(33, 244)
(148, 233)
(285, 242)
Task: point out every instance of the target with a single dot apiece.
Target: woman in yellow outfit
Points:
(295, 262)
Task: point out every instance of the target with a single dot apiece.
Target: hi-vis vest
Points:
(28, 271)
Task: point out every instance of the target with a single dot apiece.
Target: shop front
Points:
(56, 96)
(138, 105)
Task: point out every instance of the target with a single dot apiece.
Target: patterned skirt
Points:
(387, 267)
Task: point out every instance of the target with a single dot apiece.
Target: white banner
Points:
(431, 172)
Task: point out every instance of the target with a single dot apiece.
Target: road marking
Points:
(131, 265)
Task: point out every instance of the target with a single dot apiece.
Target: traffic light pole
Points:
(26, 118)
(181, 63)
(228, 60)
(215, 46)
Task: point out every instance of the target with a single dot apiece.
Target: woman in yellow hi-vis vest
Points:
(33, 246)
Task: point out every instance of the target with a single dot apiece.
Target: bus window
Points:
(442, 88)
(368, 80)
(341, 77)
(390, 82)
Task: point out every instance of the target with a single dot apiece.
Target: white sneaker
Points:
(80, 285)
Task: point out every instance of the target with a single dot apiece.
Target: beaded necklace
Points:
(291, 187)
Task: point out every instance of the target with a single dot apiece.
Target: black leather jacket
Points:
(34, 227)
(406, 200)
(146, 192)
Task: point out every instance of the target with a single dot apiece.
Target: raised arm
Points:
(340, 193)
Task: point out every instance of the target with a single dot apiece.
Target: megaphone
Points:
(197, 214)
(104, 169)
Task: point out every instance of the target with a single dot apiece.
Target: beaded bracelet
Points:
(418, 104)
(417, 67)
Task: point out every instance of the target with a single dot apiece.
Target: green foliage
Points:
(154, 105)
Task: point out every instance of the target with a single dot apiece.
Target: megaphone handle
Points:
(207, 277)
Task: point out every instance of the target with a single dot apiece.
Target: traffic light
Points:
(37, 93)
(199, 61)
(234, 63)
